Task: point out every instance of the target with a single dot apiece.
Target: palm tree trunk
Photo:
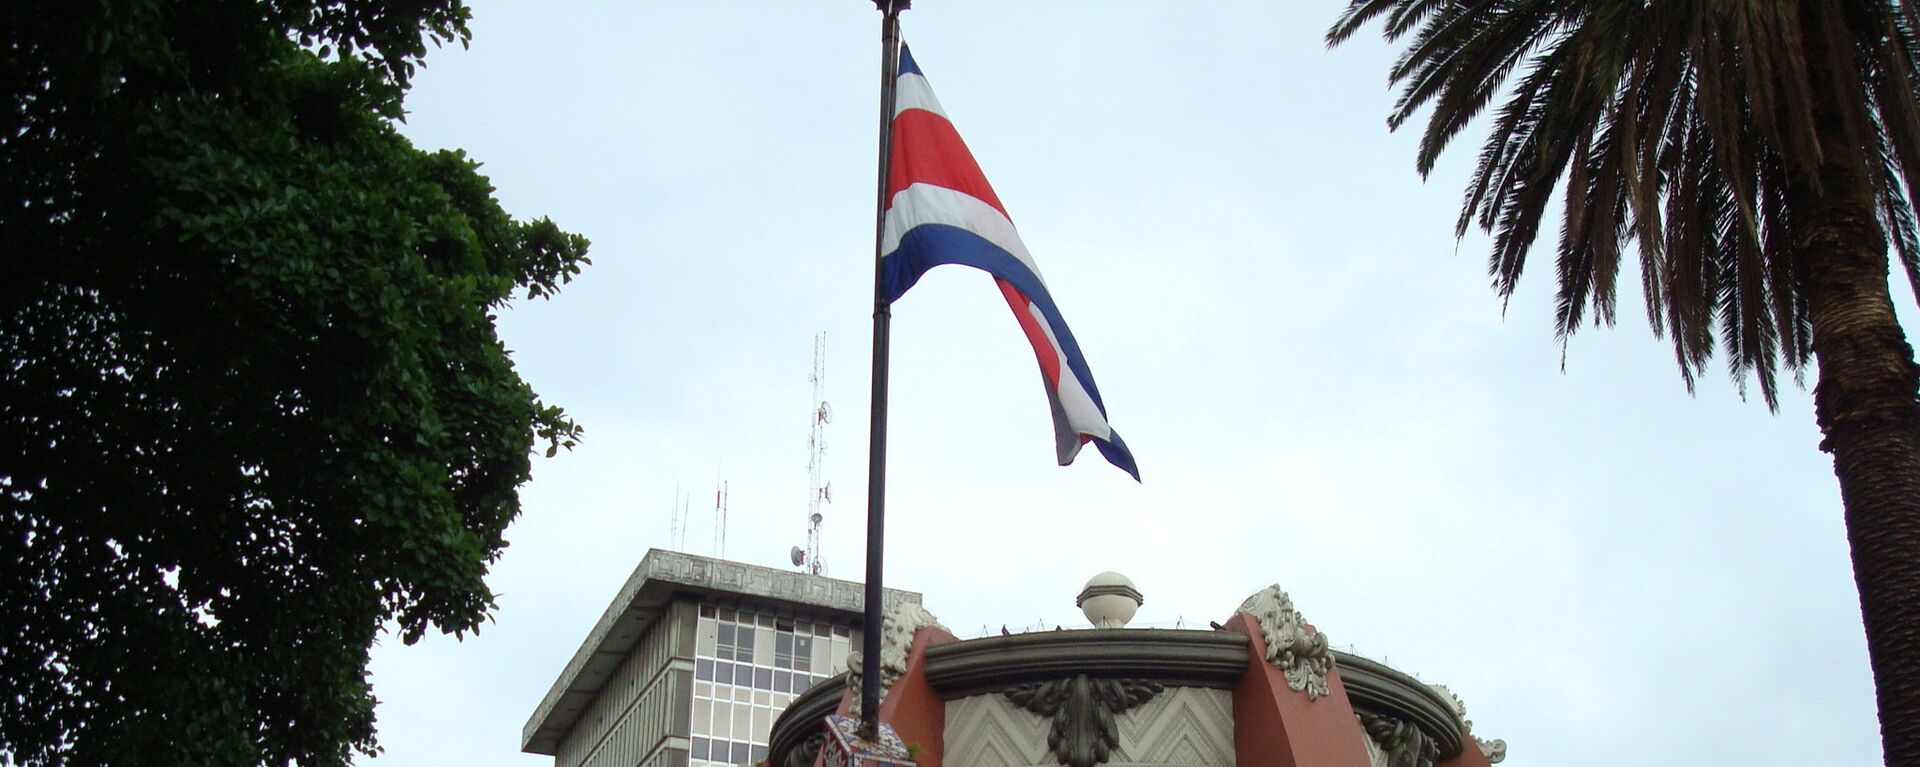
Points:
(1867, 402)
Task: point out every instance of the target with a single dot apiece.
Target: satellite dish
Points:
(815, 519)
(798, 555)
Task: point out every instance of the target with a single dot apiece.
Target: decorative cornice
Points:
(1083, 709)
(1376, 688)
(1173, 658)
(1403, 743)
(898, 625)
(1494, 750)
(1301, 654)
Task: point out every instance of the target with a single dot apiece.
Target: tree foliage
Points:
(252, 402)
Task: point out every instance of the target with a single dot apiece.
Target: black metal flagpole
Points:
(877, 433)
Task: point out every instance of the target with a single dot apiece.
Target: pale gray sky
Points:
(1317, 383)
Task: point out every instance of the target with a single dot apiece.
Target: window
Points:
(743, 649)
(725, 649)
(783, 651)
(802, 653)
(749, 665)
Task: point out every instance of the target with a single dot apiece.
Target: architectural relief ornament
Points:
(897, 627)
(807, 752)
(1302, 656)
(1495, 750)
(1083, 711)
(1401, 743)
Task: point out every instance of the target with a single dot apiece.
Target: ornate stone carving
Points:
(1300, 654)
(1083, 710)
(804, 754)
(1494, 750)
(897, 627)
(1401, 743)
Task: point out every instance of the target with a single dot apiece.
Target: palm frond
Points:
(1689, 275)
(1357, 14)
(1688, 128)
(1543, 148)
(1891, 76)
(1783, 266)
(1409, 14)
(1897, 217)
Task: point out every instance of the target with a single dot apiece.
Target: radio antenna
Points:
(819, 491)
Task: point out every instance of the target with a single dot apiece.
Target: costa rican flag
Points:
(941, 210)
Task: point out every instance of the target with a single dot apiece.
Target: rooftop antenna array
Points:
(819, 491)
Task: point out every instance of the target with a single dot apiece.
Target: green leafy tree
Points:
(252, 402)
(1758, 155)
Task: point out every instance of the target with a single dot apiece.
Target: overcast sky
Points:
(1319, 386)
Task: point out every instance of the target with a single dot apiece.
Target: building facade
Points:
(702, 663)
(693, 661)
(1261, 689)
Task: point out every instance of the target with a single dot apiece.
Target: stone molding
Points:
(1299, 652)
(1374, 688)
(1116, 589)
(1174, 658)
(1494, 750)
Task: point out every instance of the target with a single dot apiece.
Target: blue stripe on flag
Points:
(930, 245)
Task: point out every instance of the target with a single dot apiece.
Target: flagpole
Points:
(877, 422)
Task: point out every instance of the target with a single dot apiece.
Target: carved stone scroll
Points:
(1401, 742)
(898, 625)
(1302, 655)
(808, 751)
(1082, 709)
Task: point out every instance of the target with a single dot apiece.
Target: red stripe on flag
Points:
(927, 150)
(1042, 345)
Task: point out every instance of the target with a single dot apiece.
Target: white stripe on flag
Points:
(1083, 416)
(923, 203)
(911, 91)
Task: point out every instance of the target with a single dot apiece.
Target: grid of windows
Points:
(748, 665)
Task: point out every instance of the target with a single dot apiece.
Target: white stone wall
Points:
(1180, 727)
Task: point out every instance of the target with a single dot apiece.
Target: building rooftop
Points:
(660, 576)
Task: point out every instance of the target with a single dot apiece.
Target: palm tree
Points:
(1758, 155)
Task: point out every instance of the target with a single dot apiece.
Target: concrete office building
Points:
(693, 661)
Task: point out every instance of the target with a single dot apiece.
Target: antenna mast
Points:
(686, 509)
(818, 490)
(720, 519)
